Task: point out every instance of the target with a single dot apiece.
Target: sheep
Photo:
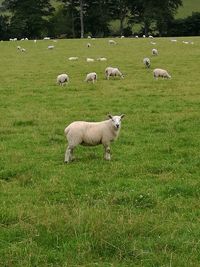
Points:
(101, 59)
(184, 42)
(147, 62)
(89, 59)
(46, 38)
(154, 52)
(144, 36)
(112, 42)
(62, 79)
(73, 58)
(150, 36)
(92, 76)
(18, 47)
(153, 43)
(50, 47)
(161, 73)
(173, 40)
(109, 71)
(88, 45)
(92, 134)
(22, 49)
(35, 41)
(136, 36)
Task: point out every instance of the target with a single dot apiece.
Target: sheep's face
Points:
(116, 121)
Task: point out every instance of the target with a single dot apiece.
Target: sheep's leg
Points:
(69, 154)
(107, 152)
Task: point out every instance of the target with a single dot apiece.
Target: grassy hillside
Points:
(188, 7)
(140, 209)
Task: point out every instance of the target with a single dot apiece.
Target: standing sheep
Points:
(89, 59)
(109, 71)
(154, 52)
(161, 73)
(91, 77)
(147, 62)
(62, 79)
(92, 134)
(112, 42)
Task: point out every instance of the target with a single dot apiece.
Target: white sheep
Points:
(62, 79)
(144, 36)
(154, 52)
(18, 47)
(92, 76)
(50, 47)
(22, 49)
(150, 36)
(73, 58)
(112, 42)
(110, 71)
(92, 134)
(88, 45)
(136, 36)
(147, 62)
(161, 73)
(46, 38)
(89, 59)
(173, 40)
(101, 59)
(153, 43)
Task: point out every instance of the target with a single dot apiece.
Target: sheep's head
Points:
(116, 120)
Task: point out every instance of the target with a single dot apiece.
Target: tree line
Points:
(79, 18)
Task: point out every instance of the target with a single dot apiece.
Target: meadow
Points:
(140, 209)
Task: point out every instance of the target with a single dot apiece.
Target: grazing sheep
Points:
(50, 47)
(109, 71)
(153, 43)
(144, 36)
(173, 40)
(150, 36)
(73, 58)
(18, 47)
(62, 79)
(102, 59)
(91, 77)
(154, 52)
(46, 38)
(89, 59)
(112, 42)
(161, 73)
(184, 42)
(122, 36)
(92, 134)
(23, 50)
(88, 45)
(147, 62)
(136, 36)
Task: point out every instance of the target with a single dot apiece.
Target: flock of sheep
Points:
(104, 132)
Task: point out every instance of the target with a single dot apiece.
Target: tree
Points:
(28, 18)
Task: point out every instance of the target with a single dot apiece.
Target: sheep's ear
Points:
(110, 116)
(122, 116)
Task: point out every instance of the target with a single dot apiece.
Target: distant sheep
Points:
(161, 73)
(112, 42)
(23, 50)
(154, 52)
(173, 40)
(91, 77)
(150, 36)
(153, 43)
(92, 134)
(88, 45)
(50, 47)
(73, 58)
(109, 71)
(62, 79)
(89, 59)
(102, 59)
(147, 62)
(18, 47)
(46, 38)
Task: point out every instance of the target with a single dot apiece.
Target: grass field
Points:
(140, 209)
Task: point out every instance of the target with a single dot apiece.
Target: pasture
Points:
(140, 209)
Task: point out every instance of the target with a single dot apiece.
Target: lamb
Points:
(154, 52)
(89, 59)
(109, 71)
(147, 62)
(73, 58)
(112, 42)
(161, 73)
(102, 59)
(62, 79)
(92, 134)
(92, 76)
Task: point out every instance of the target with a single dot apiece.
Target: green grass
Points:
(140, 209)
